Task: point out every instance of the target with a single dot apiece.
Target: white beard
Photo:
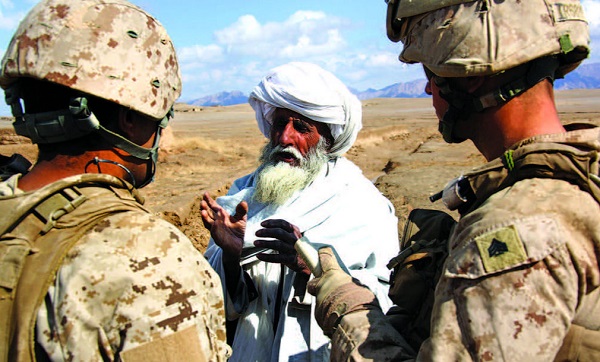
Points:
(278, 181)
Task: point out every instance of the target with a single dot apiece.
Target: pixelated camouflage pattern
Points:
(481, 37)
(133, 278)
(130, 281)
(521, 312)
(108, 48)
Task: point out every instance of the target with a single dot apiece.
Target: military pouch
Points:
(580, 344)
(12, 259)
(416, 271)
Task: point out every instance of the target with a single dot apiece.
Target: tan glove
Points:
(337, 293)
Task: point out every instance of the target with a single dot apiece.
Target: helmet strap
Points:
(75, 122)
(137, 151)
(459, 107)
(462, 104)
(537, 70)
(54, 126)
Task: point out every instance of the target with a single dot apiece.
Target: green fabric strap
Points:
(566, 46)
(509, 162)
(73, 123)
(538, 70)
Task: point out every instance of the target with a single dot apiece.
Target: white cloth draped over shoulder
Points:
(313, 92)
(340, 208)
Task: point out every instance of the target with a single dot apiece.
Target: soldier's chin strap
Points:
(75, 122)
(462, 104)
(97, 161)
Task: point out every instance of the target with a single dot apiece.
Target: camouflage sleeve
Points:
(521, 311)
(133, 286)
(367, 335)
(520, 271)
(519, 274)
(516, 315)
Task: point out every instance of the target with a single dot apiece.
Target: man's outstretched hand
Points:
(226, 230)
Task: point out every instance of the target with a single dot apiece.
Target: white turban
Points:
(313, 92)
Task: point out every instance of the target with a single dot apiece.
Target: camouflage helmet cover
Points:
(459, 38)
(107, 48)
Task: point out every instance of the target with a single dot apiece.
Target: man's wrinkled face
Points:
(285, 170)
(290, 129)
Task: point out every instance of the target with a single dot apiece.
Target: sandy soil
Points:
(399, 148)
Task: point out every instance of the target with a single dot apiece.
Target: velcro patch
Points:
(501, 249)
(180, 346)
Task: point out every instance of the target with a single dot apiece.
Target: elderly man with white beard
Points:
(303, 186)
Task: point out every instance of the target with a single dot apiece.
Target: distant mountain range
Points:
(587, 76)
(221, 99)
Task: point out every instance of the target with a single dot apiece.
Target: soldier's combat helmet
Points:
(462, 38)
(110, 49)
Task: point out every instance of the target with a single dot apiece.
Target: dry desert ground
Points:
(399, 148)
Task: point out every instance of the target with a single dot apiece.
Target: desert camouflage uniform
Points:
(132, 287)
(121, 53)
(523, 270)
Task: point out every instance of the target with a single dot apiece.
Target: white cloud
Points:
(330, 42)
(11, 21)
(304, 33)
(592, 13)
(6, 4)
(302, 16)
(382, 59)
(244, 51)
(246, 29)
(200, 54)
(9, 18)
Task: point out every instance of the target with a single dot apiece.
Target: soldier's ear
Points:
(126, 123)
(470, 85)
(474, 83)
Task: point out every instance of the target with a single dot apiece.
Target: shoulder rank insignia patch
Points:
(500, 249)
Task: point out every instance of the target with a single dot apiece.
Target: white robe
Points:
(341, 208)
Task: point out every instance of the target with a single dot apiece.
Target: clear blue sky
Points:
(229, 45)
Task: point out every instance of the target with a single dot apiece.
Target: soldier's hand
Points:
(337, 293)
(226, 230)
